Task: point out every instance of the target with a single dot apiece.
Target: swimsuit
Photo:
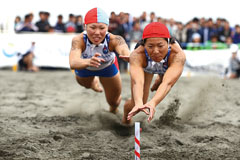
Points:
(109, 68)
(157, 67)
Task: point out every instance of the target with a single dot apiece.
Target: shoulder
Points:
(116, 39)
(78, 42)
(78, 37)
(177, 54)
(138, 56)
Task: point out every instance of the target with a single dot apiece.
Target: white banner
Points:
(198, 58)
(52, 50)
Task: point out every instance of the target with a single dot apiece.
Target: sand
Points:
(47, 116)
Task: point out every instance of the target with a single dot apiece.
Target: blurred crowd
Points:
(198, 33)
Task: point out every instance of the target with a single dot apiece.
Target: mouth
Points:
(157, 59)
(96, 39)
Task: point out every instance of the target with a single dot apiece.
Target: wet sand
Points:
(47, 116)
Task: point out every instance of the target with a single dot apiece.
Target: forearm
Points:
(124, 51)
(79, 63)
(137, 91)
(161, 93)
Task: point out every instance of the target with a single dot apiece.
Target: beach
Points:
(48, 116)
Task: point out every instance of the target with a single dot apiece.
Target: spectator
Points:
(79, 24)
(196, 42)
(127, 25)
(196, 38)
(236, 35)
(229, 41)
(180, 33)
(60, 26)
(152, 17)
(159, 19)
(27, 26)
(42, 24)
(234, 63)
(70, 26)
(193, 28)
(172, 27)
(225, 32)
(113, 22)
(206, 30)
(143, 20)
(17, 23)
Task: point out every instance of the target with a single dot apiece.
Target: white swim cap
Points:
(234, 48)
(196, 36)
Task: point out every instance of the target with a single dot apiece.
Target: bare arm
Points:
(120, 46)
(75, 53)
(170, 77)
(137, 77)
(172, 74)
(75, 60)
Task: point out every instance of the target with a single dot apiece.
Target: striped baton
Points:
(137, 140)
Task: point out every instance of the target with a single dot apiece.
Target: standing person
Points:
(17, 23)
(158, 54)
(79, 24)
(27, 25)
(43, 24)
(70, 26)
(60, 26)
(93, 58)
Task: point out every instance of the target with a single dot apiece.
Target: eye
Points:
(150, 47)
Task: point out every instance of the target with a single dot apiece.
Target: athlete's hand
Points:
(135, 110)
(149, 109)
(95, 61)
(125, 58)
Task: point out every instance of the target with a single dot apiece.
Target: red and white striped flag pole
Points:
(137, 140)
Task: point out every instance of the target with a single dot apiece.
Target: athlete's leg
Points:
(129, 104)
(112, 87)
(90, 82)
(157, 82)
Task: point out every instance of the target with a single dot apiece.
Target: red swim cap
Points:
(96, 15)
(155, 29)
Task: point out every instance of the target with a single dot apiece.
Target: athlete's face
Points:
(157, 48)
(96, 32)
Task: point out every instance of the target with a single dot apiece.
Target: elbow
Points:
(72, 65)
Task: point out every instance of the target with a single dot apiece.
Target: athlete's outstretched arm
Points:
(169, 79)
(120, 46)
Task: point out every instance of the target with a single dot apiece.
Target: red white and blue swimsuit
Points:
(109, 68)
(157, 67)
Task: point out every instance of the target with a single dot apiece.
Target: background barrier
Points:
(52, 50)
